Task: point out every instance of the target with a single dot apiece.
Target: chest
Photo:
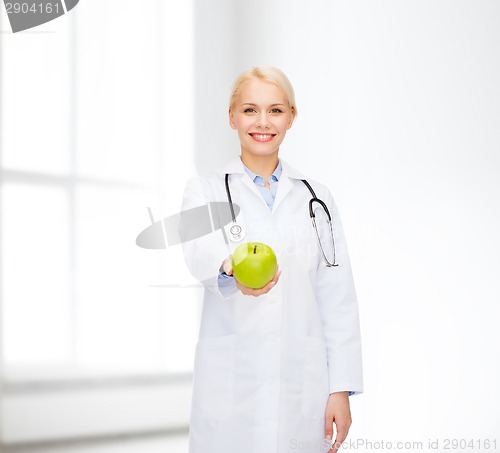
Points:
(286, 228)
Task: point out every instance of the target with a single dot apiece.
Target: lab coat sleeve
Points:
(338, 307)
(204, 255)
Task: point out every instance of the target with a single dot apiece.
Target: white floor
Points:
(153, 444)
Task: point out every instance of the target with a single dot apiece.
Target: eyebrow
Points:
(255, 105)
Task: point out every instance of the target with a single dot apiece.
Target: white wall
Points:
(215, 54)
(399, 114)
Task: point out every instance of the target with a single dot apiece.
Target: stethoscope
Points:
(237, 232)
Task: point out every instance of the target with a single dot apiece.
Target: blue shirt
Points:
(268, 194)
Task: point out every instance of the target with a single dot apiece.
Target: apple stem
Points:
(255, 249)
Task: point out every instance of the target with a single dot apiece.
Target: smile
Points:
(262, 137)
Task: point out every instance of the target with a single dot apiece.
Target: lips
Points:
(262, 137)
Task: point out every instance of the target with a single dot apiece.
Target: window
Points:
(96, 111)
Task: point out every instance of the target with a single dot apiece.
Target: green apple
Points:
(254, 264)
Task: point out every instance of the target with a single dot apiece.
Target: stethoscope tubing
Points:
(228, 192)
(313, 200)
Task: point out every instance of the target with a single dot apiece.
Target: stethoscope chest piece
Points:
(236, 232)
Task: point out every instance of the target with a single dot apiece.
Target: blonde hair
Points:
(269, 74)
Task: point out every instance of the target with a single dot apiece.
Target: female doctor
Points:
(275, 366)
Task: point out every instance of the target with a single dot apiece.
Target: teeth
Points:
(262, 136)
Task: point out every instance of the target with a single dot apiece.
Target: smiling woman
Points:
(289, 352)
(261, 112)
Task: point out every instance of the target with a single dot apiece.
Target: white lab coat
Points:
(264, 366)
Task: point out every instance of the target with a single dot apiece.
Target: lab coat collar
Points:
(285, 185)
(236, 166)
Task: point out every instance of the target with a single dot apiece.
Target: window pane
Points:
(35, 274)
(120, 97)
(123, 321)
(36, 98)
(118, 91)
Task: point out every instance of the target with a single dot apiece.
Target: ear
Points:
(231, 120)
(292, 118)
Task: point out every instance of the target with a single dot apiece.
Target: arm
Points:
(338, 306)
(204, 255)
(207, 256)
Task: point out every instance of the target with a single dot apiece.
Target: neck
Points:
(261, 165)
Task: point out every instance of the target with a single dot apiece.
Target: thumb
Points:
(227, 265)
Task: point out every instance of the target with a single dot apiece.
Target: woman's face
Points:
(261, 115)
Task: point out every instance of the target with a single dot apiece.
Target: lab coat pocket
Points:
(213, 379)
(315, 379)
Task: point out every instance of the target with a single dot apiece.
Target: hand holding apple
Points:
(258, 292)
(254, 264)
(227, 267)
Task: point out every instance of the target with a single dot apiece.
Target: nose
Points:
(263, 120)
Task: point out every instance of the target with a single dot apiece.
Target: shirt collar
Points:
(259, 179)
(235, 166)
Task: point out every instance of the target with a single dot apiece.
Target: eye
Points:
(249, 110)
(276, 110)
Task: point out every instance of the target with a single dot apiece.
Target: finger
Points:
(227, 265)
(329, 424)
(272, 282)
(342, 432)
(329, 428)
(268, 287)
(227, 269)
(258, 291)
